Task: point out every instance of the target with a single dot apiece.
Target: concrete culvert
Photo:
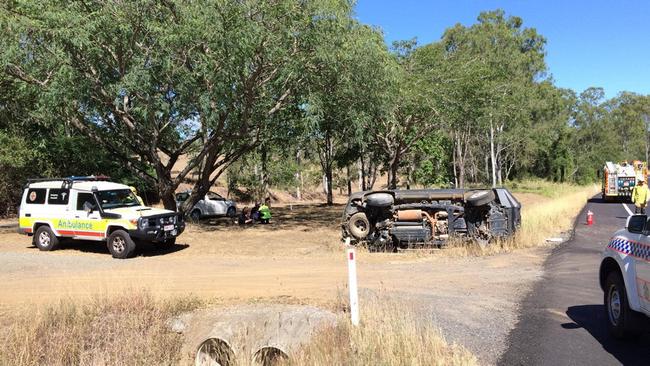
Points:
(214, 352)
(269, 356)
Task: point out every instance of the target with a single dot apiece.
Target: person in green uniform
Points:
(640, 197)
(265, 213)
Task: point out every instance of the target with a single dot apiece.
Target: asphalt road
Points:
(562, 321)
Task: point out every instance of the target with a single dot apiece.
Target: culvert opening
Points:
(269, 356)
(214, 352)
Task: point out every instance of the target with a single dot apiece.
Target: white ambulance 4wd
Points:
(625, 278)
(91, 208)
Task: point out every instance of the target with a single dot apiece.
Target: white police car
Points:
(625, 278)
(91, 208)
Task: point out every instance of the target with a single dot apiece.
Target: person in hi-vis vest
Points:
(640, 196)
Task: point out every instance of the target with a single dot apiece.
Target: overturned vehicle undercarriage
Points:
(388, 220)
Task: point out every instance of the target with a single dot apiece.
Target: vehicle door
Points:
(217, 203)
(641, 255)
(58, 205)
(87, 222)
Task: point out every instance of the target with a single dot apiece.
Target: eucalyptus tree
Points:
(510, 59)
(343, 89)
(154, 80)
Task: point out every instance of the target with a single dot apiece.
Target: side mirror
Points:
(88, 207)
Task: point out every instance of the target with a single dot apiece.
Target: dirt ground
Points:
(296, 259)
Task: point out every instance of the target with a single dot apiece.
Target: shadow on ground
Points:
(99, 247)
(592, 319)
(298, 217)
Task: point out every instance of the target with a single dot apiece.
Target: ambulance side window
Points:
(85, 197)
(35, 196)
(58, 196)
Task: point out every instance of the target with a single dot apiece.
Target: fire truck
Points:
(619, 179)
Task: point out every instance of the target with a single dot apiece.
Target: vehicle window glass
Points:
(182, 197)
(36, 196)
(85, 197)
(214, 196)
(58, 196)
(117, 198)
(636, 223)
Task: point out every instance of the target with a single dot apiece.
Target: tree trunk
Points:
(455, 163)
(493, 156)
(266, 194)
(298, 177)
(328, 177)
(349, 177)
(394, 167)
(461, 164)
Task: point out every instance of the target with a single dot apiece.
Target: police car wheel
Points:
(120, 244)
(45, 240)
(231, 212)
(620, 318)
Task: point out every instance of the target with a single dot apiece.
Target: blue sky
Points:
(589, 43)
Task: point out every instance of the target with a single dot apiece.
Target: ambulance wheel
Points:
(120, 244)
(621, 319)
(44, 239)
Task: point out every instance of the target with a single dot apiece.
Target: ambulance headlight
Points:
(143, 224)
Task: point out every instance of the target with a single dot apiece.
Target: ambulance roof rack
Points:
(67, 182)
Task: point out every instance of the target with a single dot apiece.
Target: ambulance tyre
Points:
(120, 244)
(44, 239)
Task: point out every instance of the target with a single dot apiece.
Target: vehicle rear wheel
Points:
(195, 216)
(44, 239)
(620, 318)
(479, 198)
(232, 212)
(120, 244)
(359, 226)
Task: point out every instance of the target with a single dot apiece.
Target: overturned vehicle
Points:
(388, 220)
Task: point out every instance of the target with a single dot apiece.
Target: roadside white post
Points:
(352, 284)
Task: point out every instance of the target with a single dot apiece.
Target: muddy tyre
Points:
(120, 244)
(359, 226)
(621, 320)
(44, 239)
(479, 198)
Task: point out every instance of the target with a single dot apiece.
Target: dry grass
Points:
(389, 334)
(540, 220)
(129, 329)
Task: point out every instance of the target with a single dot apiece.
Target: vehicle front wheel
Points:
(479, 198)
(620, 318)
(195, 216)
(232, 212)
(44, 239)
(120, 244)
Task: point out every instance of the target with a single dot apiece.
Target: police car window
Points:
(636, 223)
(117, 198)
(58, 196)
(83, 198)
(36, 196)
(182, 196)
